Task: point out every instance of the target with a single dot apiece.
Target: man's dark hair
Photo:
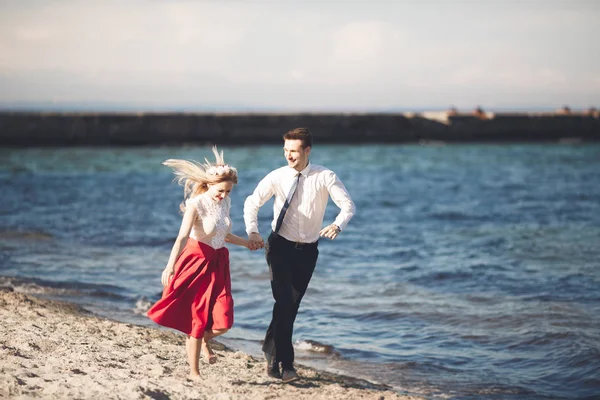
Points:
(299, 134)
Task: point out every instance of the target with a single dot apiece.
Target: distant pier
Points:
(130, 129)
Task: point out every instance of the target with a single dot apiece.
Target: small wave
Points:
(480, 298)
(105, 294)
(25, 235)
(487, 267)
(460, 276)
(389, 204)
(142, 242)
(380, 316)
(20, 169)
(548, 338)
(316, 347)
(35, 289)
(38, 286)
(142, 305)
(244, 276)
(451, 216)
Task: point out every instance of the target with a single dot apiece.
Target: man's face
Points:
(295, 154)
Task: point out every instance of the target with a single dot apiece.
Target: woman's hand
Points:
(255, 241)
(166, 276)
(240, 241)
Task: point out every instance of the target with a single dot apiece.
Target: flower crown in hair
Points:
(221, 170)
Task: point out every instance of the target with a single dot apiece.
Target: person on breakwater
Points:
(196, 298)
(301, 191)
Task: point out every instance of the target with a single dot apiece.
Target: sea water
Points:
(469, 271)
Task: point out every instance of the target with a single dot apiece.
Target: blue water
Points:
(468, 272)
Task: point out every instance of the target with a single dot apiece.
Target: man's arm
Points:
(263, 192)
(341, 198)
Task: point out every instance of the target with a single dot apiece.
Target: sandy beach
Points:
(56, 350)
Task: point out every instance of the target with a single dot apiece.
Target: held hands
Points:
(255, 241)
(330, 231)
(166, 276)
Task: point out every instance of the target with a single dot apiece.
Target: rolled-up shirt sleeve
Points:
(263, 192)
(341, 198)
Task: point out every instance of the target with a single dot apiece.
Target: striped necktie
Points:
(287, 202)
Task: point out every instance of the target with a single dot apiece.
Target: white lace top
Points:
(213, 222)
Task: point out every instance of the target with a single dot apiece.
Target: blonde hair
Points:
(195, 177)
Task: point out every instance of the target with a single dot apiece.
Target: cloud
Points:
(107, 36)
(298, 54)
(361, 50)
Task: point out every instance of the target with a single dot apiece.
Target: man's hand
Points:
(330, 231)
(255, 241)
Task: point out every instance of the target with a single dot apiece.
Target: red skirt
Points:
(198, 296)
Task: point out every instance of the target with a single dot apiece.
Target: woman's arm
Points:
(184, 232)
(234, 239)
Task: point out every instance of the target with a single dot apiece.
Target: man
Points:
(301, 191)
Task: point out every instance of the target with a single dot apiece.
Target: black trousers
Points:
(291, 266)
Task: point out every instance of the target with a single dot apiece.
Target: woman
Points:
(196, 298)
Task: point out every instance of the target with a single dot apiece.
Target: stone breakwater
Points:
(72, 129)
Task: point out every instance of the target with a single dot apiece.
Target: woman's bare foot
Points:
(207, 352)
(194, 376)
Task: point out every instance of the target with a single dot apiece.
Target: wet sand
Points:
(55, 350)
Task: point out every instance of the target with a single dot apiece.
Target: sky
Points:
(301, 56)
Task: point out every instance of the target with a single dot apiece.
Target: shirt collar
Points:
(306, 170)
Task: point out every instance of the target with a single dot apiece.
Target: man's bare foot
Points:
(210, 356)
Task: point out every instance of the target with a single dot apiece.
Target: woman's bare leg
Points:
(206, 350)
(192, 346)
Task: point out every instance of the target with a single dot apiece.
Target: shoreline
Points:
(54, 349)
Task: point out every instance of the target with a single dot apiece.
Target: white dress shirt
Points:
(304, 218)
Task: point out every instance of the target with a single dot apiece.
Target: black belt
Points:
(296, 245)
